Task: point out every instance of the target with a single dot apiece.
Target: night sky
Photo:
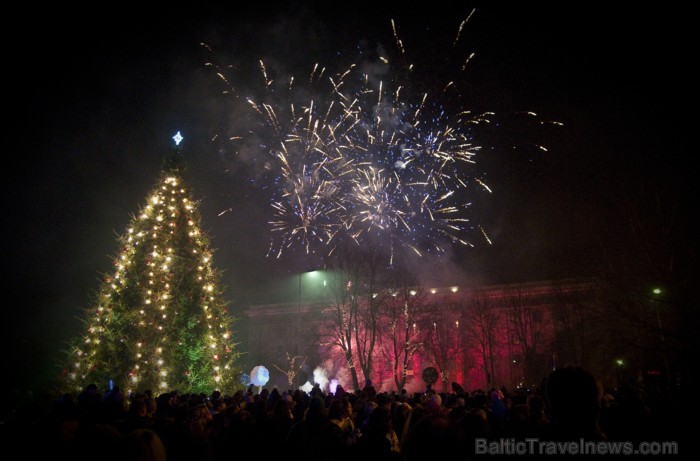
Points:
(95, 101)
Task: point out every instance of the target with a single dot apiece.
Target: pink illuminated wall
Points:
(477, 337)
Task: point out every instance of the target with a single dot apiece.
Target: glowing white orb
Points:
(260, 375)
(307, 387)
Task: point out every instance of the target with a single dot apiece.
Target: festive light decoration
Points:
(260, 375)
(159, 321)
(430, 375)
(178, 138)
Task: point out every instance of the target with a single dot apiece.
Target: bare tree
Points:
(443, 339)
(371, 296)
(340, 312)
(483, 321)
(577, 324)
(526, 326)
(354, 297)
(648, 270)
(399, 320)
(293, 367)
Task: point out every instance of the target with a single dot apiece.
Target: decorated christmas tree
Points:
(159, 320)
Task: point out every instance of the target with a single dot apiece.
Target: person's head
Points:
(143, 445)
(383, 400)
(433, 403)
(337, 410)
(316, 407)
(283, 409)
(573, 397)
(138, 408)
(536, 406)
(435, 437)
(379, 422)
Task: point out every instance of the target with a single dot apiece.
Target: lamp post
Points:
(299, 315)
(654, 299)
(310, 272)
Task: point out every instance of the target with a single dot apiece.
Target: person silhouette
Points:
(574, 399)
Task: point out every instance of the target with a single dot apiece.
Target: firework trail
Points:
(367, 156)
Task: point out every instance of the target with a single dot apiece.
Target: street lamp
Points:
(655, 300)
(312, 273)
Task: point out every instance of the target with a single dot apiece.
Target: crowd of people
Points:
(570, 405)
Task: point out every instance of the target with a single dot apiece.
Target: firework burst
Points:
(363, 154)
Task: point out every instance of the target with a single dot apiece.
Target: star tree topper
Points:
(178, 138)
